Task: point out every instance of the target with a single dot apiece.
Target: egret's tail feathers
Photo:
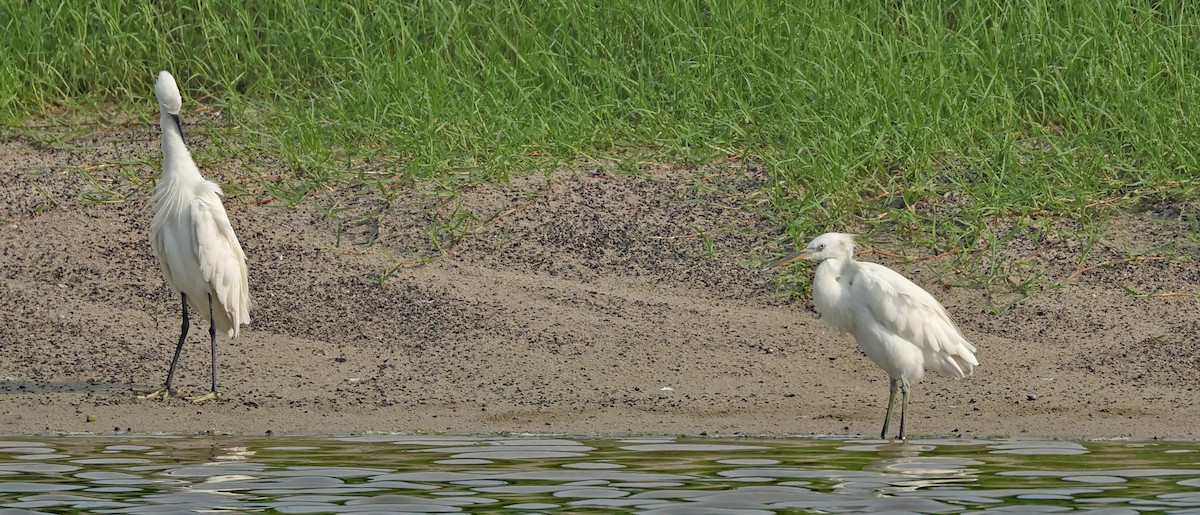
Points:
(228, 321)
(957, 365)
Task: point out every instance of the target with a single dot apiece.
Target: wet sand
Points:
(589, 302)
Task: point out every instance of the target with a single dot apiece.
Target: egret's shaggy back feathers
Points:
(911, 313)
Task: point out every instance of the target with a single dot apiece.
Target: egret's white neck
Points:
(837, 263)
(177, 161)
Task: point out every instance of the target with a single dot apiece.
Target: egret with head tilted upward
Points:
(195, 245)
(900, 326)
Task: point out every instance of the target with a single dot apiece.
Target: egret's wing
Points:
(222, 262)
(910, 312)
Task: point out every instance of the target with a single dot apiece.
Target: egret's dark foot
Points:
(210, 396)
(161, 393)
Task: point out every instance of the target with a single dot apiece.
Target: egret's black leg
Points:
(891, 401)
(212, 336)
(178, 347)
(903, 405)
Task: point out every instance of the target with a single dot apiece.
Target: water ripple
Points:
(655, 475)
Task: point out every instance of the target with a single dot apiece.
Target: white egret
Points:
(900, 326)
(200, 255)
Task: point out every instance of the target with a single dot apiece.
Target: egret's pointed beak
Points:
(789, 259)
(179, 124)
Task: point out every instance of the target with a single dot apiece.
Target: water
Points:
(542, 474)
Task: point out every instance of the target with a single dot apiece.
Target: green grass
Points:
(866, 118)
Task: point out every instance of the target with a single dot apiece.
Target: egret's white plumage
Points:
(198, 252)
(896, 323)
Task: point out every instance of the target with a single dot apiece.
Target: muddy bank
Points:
(589, 302)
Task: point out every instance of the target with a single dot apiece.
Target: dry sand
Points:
(593, 302)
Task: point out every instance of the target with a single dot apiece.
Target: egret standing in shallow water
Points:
(195, 245)
(900, 326)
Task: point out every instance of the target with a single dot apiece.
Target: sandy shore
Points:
(590, 302)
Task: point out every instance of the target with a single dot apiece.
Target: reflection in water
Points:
(449, 474)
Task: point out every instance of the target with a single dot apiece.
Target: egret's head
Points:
(168, 93)
(825, 246)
